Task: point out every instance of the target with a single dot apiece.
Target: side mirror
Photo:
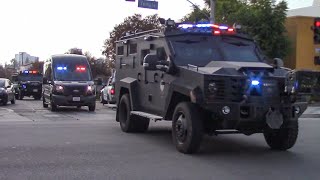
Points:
(150, 62)
(278, 63)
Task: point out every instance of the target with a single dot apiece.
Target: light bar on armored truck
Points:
(206, 28)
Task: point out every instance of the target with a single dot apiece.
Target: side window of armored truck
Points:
(120, 50)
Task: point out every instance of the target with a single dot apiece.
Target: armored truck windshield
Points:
(29, 77)
(201, 50)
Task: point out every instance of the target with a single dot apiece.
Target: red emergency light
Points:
(81, 68)
(317, 23)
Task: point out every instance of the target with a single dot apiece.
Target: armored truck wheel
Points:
(283, 138)
(187, 128)
(130, 123)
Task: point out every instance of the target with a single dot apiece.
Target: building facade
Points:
(24, 60)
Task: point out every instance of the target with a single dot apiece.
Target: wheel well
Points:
(122, 92)
(175, 100)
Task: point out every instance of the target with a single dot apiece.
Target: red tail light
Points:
(112, 91)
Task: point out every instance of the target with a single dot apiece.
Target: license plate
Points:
(35, 90)
(76, 99)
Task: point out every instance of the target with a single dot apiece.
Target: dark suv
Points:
(68, 82)
(29, 83)
(206, 79)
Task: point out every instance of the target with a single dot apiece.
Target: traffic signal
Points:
(316, 31)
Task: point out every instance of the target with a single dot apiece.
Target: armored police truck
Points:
(68, 81)
(206, 79)
(28, 83)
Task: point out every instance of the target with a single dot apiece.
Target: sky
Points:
(45, 27)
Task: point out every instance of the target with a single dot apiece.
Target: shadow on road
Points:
(223, 146)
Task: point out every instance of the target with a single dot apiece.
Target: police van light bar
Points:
(317, 24)
(29, 72)
(61, 68)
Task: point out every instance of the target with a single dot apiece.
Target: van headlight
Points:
(212, 87)
(90, 89)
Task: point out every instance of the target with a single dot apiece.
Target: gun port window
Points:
(120, 50)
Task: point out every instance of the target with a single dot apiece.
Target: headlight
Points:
(90, 89)
(212, 87)
(59, 88)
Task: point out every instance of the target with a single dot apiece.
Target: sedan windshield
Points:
(2, 83)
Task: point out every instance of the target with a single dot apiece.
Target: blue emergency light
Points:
(255, 82)
(60, 68)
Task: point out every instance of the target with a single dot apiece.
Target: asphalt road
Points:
(76, 144)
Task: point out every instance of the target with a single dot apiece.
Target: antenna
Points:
(197, 7)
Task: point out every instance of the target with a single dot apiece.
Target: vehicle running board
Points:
(147, 115)
(227, 131)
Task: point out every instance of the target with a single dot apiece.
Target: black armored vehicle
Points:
(206, 79)
(68, 81)
(28, 83)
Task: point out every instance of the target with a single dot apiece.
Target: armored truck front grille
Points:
(227, 89)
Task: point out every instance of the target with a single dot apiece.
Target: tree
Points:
(37, 66)
(2, 72)
(261, 19)
(133, 24)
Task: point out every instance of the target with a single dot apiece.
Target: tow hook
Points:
(274, 118)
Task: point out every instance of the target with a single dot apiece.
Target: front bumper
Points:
(253, 115)
(3, 97)
(61, 100)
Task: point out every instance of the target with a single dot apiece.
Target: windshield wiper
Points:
(238, 43)
(188, 41)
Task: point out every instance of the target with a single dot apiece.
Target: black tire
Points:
(101, 99)
(53, 106)
(282, 139)
(37, 97)
(44, 104)
(13, 100)
(5, 102)
(16, 96)
(187, 128)
(130, 123)
(20, 95)
(91, 107)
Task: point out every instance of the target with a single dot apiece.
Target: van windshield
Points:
(65, 69)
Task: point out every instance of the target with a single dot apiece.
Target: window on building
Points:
(120, 50)
(133, 48)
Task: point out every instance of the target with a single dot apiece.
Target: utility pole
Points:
(212, 8)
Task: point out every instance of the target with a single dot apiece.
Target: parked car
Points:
(107, 93)
(6, 92)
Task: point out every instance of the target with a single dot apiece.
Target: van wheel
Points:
(187, 128)
(130, 123)
(53, 106)
(44, 104)
(283, 138)
(92, 107)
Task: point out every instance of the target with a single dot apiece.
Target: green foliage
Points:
(261, 19)
(133, 23)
